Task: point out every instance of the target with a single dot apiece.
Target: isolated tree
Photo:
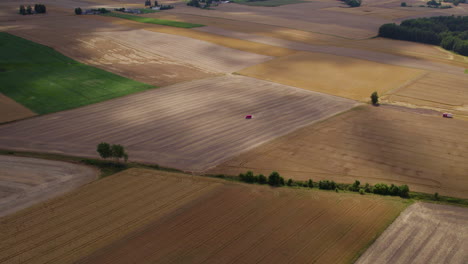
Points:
(104, 150)
(22, 10)
(375, 98)
(78, 11)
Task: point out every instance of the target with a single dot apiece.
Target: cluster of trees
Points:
(38, 9)
(352, 3)
(276, 180)
(116, 152)
(456, 2)
(198, 3)
(450, 32)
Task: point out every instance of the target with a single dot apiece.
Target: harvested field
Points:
(309, 16)
(200, 54)
(423, 233)
(11, 110)
(28, 181)
(190, 126)
(370, 144)
(67, 228)
(179, 218)
(341, 76)
(440, 91)
(234, 43)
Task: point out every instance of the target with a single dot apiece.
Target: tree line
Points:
(450, 32)
(38, 9)
(275, 179)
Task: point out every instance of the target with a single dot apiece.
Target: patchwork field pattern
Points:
(27, 181)
(369, 144)
(342, 76)
(159, 217)
(423, 233)
(190, 126)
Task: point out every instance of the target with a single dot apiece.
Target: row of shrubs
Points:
(38, 9)
(275, 179)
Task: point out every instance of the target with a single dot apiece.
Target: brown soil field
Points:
(341, 76)
(147, 216)
(27, 181)
(370, 144)
(190, 126)
(423, 233)
(444, 92)
(69, 227)
(11, 110)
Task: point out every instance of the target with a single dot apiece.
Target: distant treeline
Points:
(450, 32)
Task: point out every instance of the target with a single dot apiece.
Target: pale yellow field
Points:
(342, 76)
(423, 233)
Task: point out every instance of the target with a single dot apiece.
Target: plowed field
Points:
(27, 181)
(11, 110)
(370, 144)
(191, 126)
(146, 216)
(341, 76)
(435, 90)
(423, 233)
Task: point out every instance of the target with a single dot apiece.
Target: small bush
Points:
(361, 191)
(290, 182)
(375, 98)
(436, 196)
(310, 183)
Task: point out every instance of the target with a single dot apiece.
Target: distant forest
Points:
(450, 32)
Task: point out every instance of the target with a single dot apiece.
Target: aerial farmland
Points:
(244, 131)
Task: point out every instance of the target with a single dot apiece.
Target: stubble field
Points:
(423, 233)
(342, 76)
(179, 218)
(370, 144)
(27, 181)
(190, 126)
(445, 92)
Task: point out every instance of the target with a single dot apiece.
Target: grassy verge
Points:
(46, 81)
(108, 168)
(269, 3)
(156, 21)
(148, 11)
